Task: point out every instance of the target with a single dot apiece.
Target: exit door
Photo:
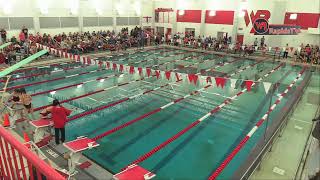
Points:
(240, 38)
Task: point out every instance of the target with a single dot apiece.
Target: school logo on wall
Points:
(261, 26)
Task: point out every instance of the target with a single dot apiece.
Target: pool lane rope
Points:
(90, 93)
(192, 125)
(42, 66)
(52, 80)
(118, 102)
(41, 74)
(72, 85)
(217, 66)
(236, 150)
(149, 113)
(155, 110)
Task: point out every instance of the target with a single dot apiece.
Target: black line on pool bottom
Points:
(180, 146)
(119, 118)
(139, 136)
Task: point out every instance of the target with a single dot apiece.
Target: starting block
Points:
(41, 127)
(76, 147)
(134, 172)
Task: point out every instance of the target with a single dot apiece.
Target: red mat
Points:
(41, 123)
(80, 144)
(134, 172)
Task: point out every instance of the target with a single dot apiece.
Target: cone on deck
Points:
(6, 121)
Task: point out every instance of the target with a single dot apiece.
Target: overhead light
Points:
(181, 12)
(52, 92)
(212, 13)
(293, 16)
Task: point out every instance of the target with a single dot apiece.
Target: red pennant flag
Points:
(121, 68)
(108, 65)
(208, 79)
(195, 79)
(249, 84)
(78, 58)
(140, 70)
(190, 77)
(168, 74)
(158, 74)
(83, 60)
(65, 54)
(74, 57)
(114, 66)
(177, 77)
(220, 81)
(131, 70)
(100, 64)
(148, 71)
(88, 60)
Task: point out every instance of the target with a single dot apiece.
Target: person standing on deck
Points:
(59, 117)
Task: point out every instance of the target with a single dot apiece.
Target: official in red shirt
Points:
(59, 117)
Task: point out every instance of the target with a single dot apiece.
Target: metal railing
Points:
(18, 162)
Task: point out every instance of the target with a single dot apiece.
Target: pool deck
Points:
(283, 160)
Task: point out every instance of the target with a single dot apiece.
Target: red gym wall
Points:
(191, 16)
(305, 20)
(221, 17)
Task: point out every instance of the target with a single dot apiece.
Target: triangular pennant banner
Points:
(114, 66)
(249, 84)
(121, 68)
(100, 64)
(83, 60)
(158, 74)
(78, 58)
(208, 79)
(65, 54)
(108, 65)
(131, 70)
(220, 81)
(177, 77)
(233, 83)
(148, 71)
(140, 70)
(168, 74)
(267, 86)
(88, 60)
(190, 77)
(195, 79)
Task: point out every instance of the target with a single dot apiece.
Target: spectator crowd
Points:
(86, 42)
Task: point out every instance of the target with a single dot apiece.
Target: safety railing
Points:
(18, 162)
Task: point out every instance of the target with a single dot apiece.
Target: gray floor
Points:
(282, 162)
